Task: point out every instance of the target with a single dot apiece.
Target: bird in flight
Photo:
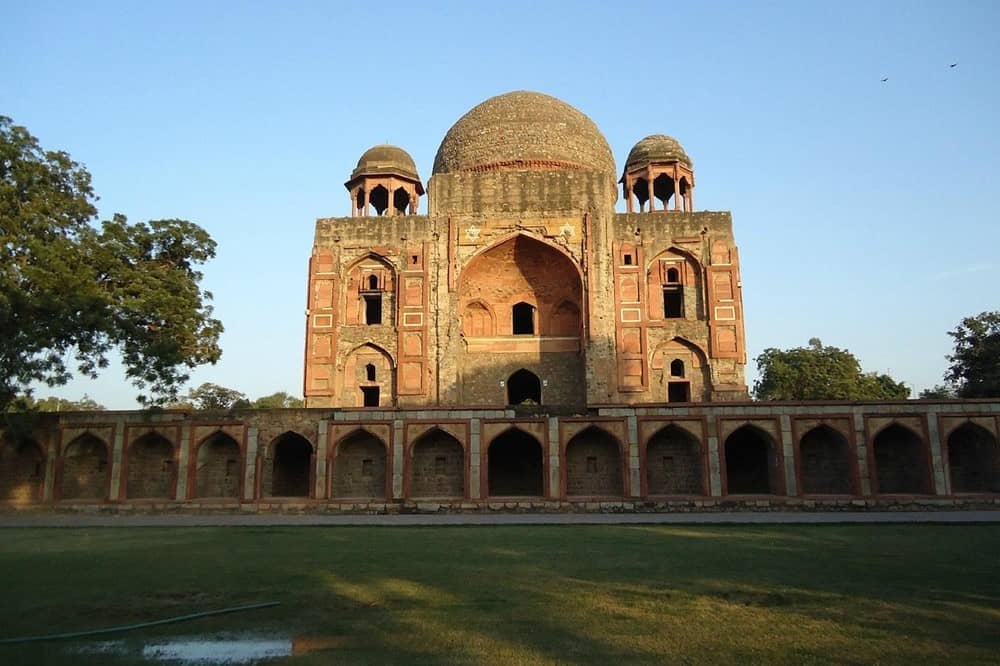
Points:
(952, 64)
(885, 79)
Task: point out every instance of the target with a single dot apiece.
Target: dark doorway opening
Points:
(679, 392)
(370, 396)
(751, 463)
(825, 462)
(673, 303)
(292, 463)
(373, 309)
(973, 460)
(524, 386)
(900, 462)
(515, 466)
(524, 319)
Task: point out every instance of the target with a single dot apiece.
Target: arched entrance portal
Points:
(524, 386)
(514, 466)
(594, 465)
(973, 460)
(359, 467)
(152, 472)
(22, 471)
(289, 473)
(751, 463)
(437, 466)
(218, 467)
(85, 469)
(825, 462)
(900, 462)
(674, 463)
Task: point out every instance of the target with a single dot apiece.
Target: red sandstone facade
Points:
(520, 346)
(522, 284)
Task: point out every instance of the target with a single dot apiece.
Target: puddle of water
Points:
(209, 651)
(244, 651)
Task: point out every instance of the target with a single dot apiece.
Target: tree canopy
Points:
(975, 363)
(72, 291)
(819, 372)
(210, 396)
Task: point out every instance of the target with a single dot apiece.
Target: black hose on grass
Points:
(141, 625)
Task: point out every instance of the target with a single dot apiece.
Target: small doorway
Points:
(679, 392)
(524, 386)
(370, 396)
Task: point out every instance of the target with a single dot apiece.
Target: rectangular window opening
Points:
(668, 464)
(367, 467)
(370, 394)
(628, 260)
(679, 392)
(373, 309)
(592, 464)
(673, 303)
(440, 465)
(231, 467)
(524, 319)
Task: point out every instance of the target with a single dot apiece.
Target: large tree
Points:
(279, 400)
(72, 291)
(819, 372)
(975, 364)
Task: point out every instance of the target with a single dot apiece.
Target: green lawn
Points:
(639, 594)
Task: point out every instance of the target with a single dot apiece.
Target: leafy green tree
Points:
(975, 364)
(26, 403)
(939, 392)
(279, 400)
(210, 396)
(71, 292)
(818, 372)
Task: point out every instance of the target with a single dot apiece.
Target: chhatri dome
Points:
(523, 130)
(385, 159)
(656, 148)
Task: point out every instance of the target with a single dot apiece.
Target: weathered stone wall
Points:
(359, 468)
(901, 453)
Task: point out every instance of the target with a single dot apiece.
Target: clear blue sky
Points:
(865, 211)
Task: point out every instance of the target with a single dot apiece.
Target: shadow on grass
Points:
(594, 594)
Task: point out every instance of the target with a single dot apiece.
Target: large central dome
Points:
(523, 130)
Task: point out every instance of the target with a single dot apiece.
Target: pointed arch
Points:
(674, 463)
(752, 462)
(523, 233)
(973, 459)
(565, 320)
(359, 462)
(694, 383)
(594, 464)
(899, 461)
(289, 466)
(824, 462)
(218, 467)
(478, 319)
(359, 388)
(515, 465)
(151, 468)
(436, 466)
(524, 386)
(369, 292)
(85, 470)
(22, 470)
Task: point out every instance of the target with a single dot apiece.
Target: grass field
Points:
(899, 594)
